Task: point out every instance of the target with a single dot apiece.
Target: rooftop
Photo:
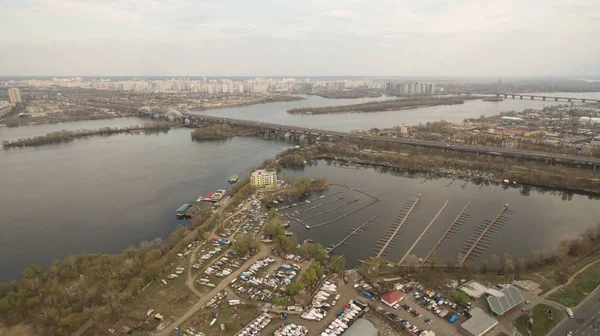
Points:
(361, 327)
(512, 298)
(473, 289)
(479, 323)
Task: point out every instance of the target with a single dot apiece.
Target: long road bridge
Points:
(534, 96)
(278, 130)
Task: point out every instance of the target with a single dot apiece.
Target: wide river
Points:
(103, 194)
(276, 112)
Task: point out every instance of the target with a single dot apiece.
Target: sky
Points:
(300, 38)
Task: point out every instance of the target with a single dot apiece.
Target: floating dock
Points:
(458, 221)
(331, 210)
(322, 204)
(423, 233)
(353, 232)
(342, 216)
(481, 241)
(391, 236)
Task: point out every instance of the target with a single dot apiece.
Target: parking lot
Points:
(438, 325)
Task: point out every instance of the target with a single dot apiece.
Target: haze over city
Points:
(303, 38)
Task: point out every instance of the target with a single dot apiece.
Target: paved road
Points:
(589, 310)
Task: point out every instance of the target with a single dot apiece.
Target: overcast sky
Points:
(300, 37)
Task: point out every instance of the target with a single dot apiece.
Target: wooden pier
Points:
(423, 233)
(392, 236)
(342, 216)
(353, 232)
(481, 235)
(448, 231)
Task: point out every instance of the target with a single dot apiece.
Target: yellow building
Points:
(264, 178)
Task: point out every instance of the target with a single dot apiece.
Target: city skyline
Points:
(451, 38)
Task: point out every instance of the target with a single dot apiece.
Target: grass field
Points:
(541, 322)
(583, 284)
(232, 319)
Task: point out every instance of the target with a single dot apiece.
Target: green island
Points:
(66, 136)
(386, 105)
(220, 131)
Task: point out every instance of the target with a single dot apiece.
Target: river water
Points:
(102, 194)
(277, 112)
(549, 216)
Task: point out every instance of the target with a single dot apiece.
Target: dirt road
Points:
(264, 252)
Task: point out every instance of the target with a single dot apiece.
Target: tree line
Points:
(435, 161)
(66, 136)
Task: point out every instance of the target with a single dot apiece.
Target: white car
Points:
(396, 306)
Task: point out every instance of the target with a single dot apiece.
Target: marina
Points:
(322, 204)
(423, 233)
(331, 210)
(483, 235)
(341, 217)
(356, 231)
(390, 235)
(452, 229)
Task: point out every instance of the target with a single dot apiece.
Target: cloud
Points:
(360, 37)
(341, 14)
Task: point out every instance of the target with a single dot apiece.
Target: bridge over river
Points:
(534, 96)
(279, 131)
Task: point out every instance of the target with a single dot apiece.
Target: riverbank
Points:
(66, 136)
(386, 105)
(487, 168)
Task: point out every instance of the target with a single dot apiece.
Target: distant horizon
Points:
(320, 77)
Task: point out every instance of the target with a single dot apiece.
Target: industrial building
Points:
(361, 327)
(511, 297)
(479, 323)
(264, 178)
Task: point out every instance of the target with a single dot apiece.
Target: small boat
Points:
(234, 178)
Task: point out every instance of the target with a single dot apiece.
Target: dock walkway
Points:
(408, 213)
(481, 235)
(333, 247)
(423, 233)
(445, 235)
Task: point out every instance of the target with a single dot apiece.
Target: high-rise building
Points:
(14, 95)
